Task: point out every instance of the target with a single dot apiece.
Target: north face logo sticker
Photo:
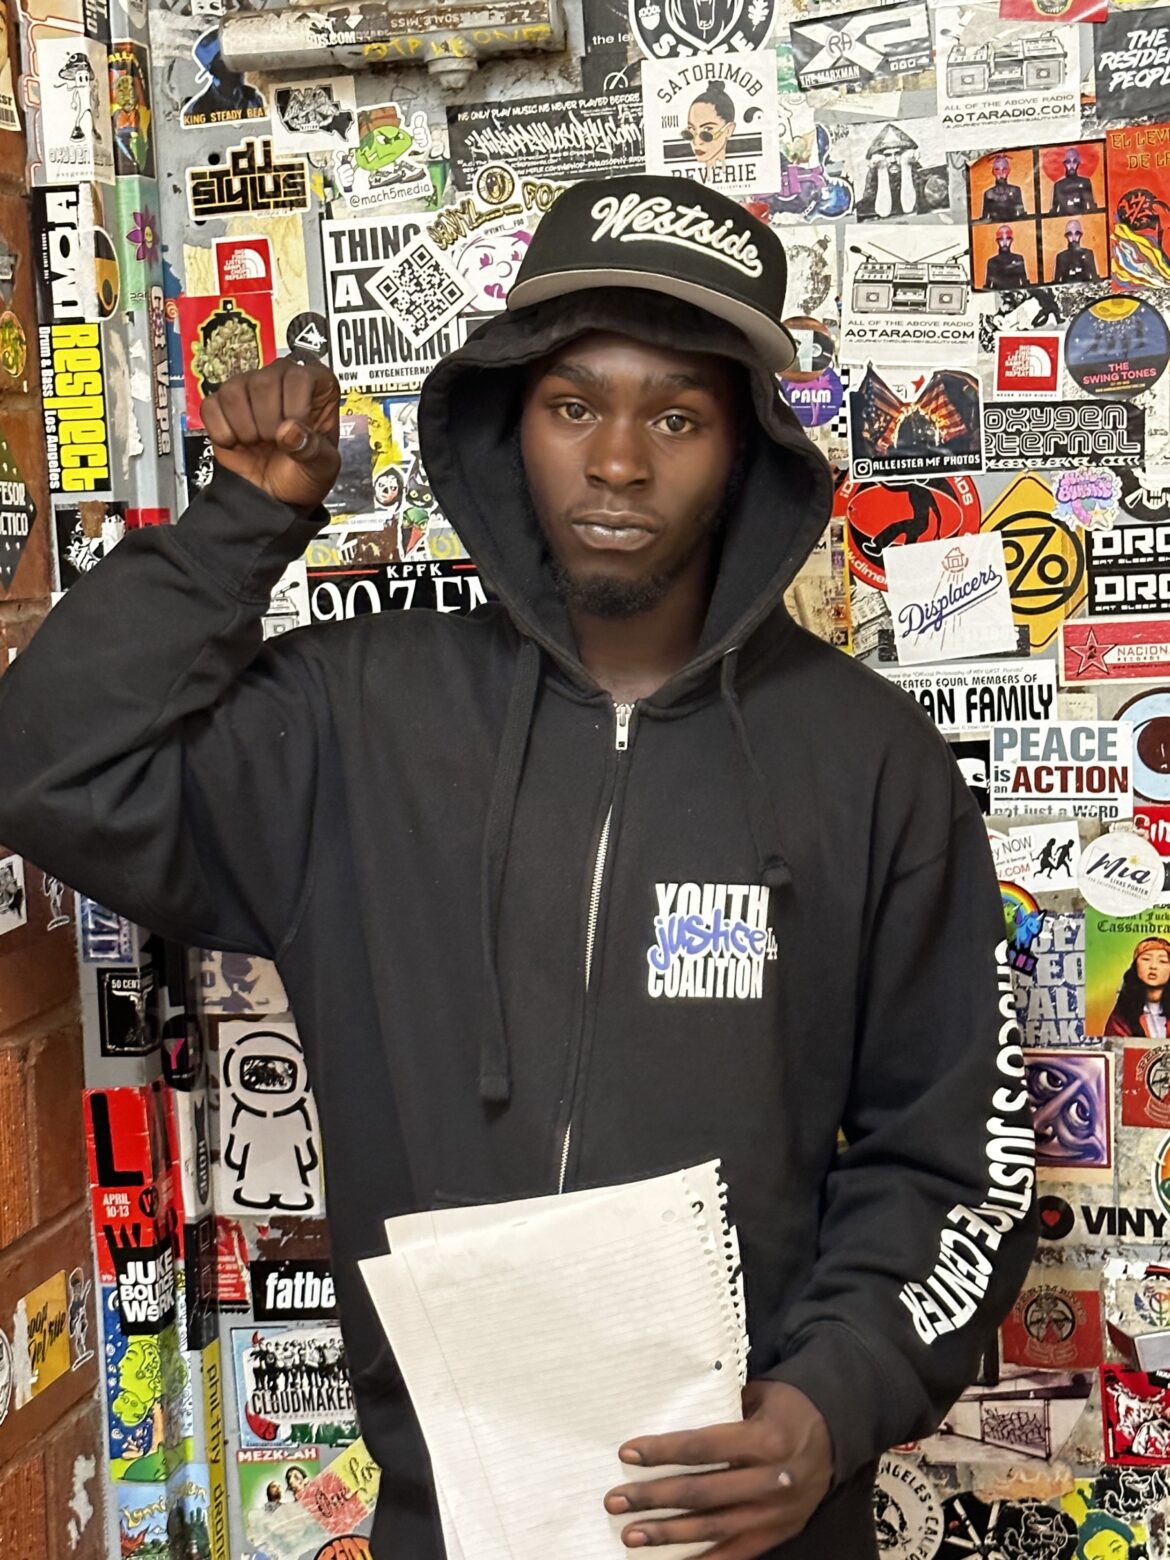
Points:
(710, 940)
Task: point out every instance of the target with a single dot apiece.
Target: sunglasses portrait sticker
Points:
(714, 119)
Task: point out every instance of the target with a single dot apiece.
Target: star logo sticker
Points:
(1091, 655)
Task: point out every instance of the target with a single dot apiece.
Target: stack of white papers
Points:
(536, 1337)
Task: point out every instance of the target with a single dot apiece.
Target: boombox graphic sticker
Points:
(900, 297)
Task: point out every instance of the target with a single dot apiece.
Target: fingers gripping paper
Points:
(535, 1337)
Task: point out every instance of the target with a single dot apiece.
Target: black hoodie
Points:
(477, 877)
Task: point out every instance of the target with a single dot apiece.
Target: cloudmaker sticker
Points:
(711, 940)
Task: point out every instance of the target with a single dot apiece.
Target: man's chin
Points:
(608, 595)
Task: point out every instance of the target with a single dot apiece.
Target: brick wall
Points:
(51, 1470)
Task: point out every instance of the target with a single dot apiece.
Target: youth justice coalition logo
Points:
(711, 940)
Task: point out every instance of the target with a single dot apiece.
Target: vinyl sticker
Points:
(1061, 434)
(1117, 346)
(1120, 873)
(17, 513)
(888, 48)
(1139, 190)
(292, 1386)
(980, 694)
(1149, 718)
(130, 110)
(572, 138)
(224, 96)
(365, 276)
(1127, 965)
(1129, 570)
(75, 110)
(269, 1160)
(996, 78)
(1135, 1408)
(1054, 1326)
(221, 337)
(389, 165)
(1080, 769)
(1094, 650)
(1050, 999)
(314, 116)
(1027, 365)
(668, 29)
(914, 422)
(243, 265)
(900, 300)
(1145, 1088)
(949, 600)
(253, 181)
(13, 900)
(1131, 64)
(713, 120)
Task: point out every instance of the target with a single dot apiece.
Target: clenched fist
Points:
(277, 428)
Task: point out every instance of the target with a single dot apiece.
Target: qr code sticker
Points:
(419, 291)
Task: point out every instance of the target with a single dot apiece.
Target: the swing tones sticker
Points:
(714, 119)
(670, 28)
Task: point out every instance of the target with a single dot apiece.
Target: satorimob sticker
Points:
(1079, 768)
(713, 119)
(710, 941)
(971, 696)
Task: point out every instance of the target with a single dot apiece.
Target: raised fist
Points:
(277, 427)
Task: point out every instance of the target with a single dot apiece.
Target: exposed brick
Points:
(75, 1507)
(60, 1247)
(56, 1123)
(16, 1195)
(23, 1498)
(38, 968)
(24, 433)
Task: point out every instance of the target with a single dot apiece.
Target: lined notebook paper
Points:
(535, 1337)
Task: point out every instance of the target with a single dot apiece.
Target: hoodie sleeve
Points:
(928, 1219)
(158, 756)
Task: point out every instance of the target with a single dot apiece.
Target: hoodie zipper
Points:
(621, 742)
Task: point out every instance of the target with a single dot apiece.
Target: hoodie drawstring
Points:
(495, 1071)
(774, 869)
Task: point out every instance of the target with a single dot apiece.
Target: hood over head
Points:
(469, 441)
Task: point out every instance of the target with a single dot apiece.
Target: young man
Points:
(623, 873)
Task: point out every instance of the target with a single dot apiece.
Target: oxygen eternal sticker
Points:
(75, 110)
(711, 941)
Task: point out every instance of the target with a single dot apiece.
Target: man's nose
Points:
(618, 455)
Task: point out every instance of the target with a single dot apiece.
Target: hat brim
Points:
(772, 341)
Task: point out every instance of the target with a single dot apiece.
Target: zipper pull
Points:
(622, 713)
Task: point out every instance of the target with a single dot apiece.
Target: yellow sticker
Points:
(46, 1310)
(1045, 558)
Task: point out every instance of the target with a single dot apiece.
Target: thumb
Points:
(298, 442)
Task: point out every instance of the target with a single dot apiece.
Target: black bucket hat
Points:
(667, 235)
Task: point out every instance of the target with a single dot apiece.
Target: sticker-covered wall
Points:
(975, 202)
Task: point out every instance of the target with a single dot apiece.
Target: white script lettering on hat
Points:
(658, 219)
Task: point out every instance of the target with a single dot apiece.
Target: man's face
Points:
(1073, 232)
(1072, 161)
(1003, 237)
(628, 450)
(1000, 169)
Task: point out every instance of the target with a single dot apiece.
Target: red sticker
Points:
(1051, 1327)
(243, 265)
(222, 337)
(136, 519)
(1027, 364)
(1135, 1408)
(1053, 10)
(1145, 1086)
(878, 515)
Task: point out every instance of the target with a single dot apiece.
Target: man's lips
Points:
(606, 531)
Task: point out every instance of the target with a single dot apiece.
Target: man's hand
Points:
(781, 1465)
(278, 428)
